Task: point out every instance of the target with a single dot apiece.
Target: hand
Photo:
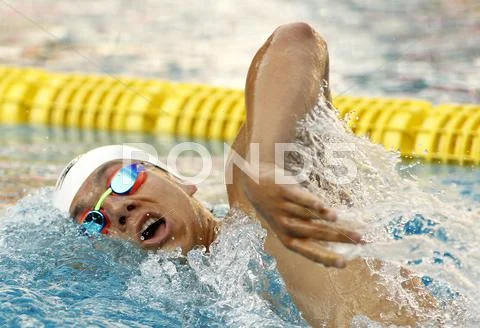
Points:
(296, 216)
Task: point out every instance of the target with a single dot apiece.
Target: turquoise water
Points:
(50, 276)
(53, 276)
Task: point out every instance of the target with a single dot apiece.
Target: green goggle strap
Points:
(102, 199)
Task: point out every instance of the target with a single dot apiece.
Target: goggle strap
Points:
(102, 199)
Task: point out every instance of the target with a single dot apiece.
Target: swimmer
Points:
(147, 204)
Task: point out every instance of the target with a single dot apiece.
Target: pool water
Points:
(52, 276)
(421, 216)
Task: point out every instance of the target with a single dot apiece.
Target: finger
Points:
(303, 197)
(303, 212)
(320, 232)
(316, 253)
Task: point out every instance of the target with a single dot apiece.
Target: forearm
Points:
(283, 84)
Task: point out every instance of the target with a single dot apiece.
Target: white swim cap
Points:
(79, 169)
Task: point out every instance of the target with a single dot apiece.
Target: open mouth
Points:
(151, 227)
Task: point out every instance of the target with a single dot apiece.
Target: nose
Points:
(119, 208)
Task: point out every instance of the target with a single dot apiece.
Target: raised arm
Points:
(283, 84)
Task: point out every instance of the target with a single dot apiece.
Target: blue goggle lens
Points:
(94, 223)
(125, 179)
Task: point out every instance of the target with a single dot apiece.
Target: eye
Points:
(130, 207)
(122, 220)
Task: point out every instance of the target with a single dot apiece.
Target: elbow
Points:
(299, 32)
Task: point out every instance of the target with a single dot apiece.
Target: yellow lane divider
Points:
(446, 133)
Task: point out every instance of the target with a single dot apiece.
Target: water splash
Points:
(236, 284)
(431, 231)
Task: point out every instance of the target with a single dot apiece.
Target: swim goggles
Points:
(125, 181)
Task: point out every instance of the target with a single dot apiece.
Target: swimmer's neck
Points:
(208, 227)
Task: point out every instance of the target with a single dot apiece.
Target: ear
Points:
(190, 189)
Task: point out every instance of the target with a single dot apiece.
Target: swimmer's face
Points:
(180, 220)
